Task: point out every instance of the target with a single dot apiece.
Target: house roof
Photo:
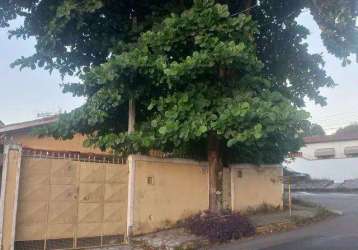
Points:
(331, 138)
(29, 124)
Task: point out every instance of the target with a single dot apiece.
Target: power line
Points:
(338, 119)
(338, 122)
(239, 12)
(337, 126)
(336, 114)
(256, 5)
(335, 122)
(321, 119)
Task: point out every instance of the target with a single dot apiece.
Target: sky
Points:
(27, 93)
(24, 94)
(342, 107)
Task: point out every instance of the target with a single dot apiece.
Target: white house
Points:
(329, 157)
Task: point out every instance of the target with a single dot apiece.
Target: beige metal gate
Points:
(69, 203)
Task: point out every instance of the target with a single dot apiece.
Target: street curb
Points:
(274, 227)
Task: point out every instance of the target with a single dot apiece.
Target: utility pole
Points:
(131, 115)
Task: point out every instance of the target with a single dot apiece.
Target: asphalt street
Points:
(340, 232)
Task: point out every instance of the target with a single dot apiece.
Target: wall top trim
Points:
(248, 165)
(8, 147)
(201, 163)
(167, 160)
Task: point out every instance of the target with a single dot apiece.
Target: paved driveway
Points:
(336, 233)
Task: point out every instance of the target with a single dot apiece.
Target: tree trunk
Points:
(131, 115)
(214, 157)
(247, 6)
(131, 103)
(215, 174)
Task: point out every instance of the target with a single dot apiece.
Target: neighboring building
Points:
(20, 133)
(330, 147)
(329, 157)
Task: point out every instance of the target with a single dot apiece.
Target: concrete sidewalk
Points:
(265, 223)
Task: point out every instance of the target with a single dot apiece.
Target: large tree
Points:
(313, 129)
(348, 130)
(220, 82)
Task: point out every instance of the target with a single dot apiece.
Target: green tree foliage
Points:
(313, 129)
(73, 35)
(180, 95)
(348, 130)
(76, 36)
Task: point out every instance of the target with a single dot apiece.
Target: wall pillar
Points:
(9, 195)
(131, 193)
(226, 188)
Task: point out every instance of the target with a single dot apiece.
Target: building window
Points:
(351, 151)
(324, 153)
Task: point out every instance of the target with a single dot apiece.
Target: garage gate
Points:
(66, 203)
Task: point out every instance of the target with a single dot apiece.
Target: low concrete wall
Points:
(89, 199)
(9, 195)
(252, 186)
(167, 190)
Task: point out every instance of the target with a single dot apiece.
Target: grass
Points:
(300, 202)
(322, 213)
(262, 209)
